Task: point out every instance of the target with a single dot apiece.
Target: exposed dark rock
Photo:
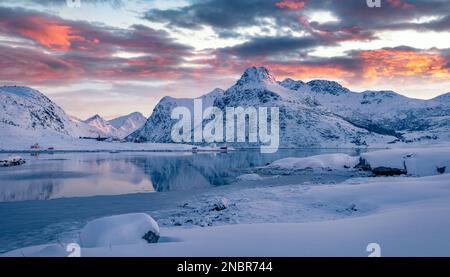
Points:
(363, 165)
(388, 171)
(441, 170)
(151, 237)
(220, 204)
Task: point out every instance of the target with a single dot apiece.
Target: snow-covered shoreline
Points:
(405, 215)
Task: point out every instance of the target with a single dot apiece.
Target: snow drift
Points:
(318, 162)
(119, 230)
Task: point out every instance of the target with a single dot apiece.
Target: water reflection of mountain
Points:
(175, 172)
(88, 174)
(79, 175)
(30, 191)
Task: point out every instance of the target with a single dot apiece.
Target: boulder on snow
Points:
(441, 169)
(388, 171)
(363, 164)
(13, 161)
(119, 230)
(220, 204)
(380, 170)
(151, 237)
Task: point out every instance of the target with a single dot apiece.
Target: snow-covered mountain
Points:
(119, 127)
(29, 116)
(318, 113)
(304, 122)
(158, 126)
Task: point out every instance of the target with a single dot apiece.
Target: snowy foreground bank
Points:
(405, 215)
(408, 161)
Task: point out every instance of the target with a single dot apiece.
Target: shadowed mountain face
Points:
(319, 113)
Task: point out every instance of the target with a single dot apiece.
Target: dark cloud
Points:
(84, 50)
(222, 15)
(266, 46)
(356, 20)
(63, 49)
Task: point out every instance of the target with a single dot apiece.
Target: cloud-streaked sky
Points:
(115, 57)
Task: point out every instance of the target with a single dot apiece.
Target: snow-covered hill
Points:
(304, 122)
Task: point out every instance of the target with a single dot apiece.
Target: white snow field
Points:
(319, 162)
(406, 216)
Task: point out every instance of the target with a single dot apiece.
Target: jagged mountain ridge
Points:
(304, 121)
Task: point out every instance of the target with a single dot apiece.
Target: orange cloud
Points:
(50, 32)
(311, 71)
(291, 4)
(393, 63)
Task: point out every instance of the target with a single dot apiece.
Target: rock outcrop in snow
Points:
(411, 161)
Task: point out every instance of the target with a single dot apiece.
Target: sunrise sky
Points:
(116, 57)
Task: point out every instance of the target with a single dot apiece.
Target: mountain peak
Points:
(325, 86)
(94, 118)
(256, 76)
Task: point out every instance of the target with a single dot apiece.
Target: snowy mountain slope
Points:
(384, 112)
(84, 129)
(128, 123)
(31, 111)
(303, 122)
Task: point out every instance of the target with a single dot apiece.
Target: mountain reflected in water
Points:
(51, 176)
